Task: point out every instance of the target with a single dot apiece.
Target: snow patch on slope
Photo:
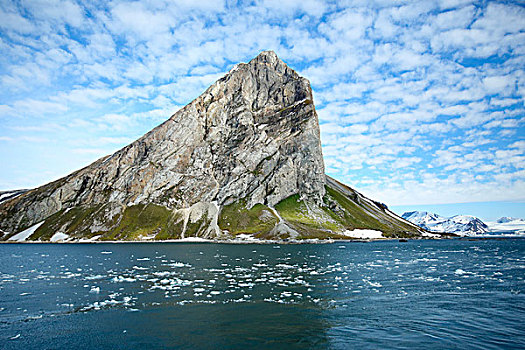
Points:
(364, 234)
(59, 236)
(7, 195)
(22, 236)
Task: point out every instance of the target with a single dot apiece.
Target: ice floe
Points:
(119, 279)
(178, 264)
(94, 290)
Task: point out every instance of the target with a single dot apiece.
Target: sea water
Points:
(430, 294)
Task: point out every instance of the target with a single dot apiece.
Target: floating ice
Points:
(94, 277)
(246, 285)
(122, 279)
(178, 264)
(162, 273)
(284, 266)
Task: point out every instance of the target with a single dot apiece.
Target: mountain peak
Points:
(268, 55)
(458, 224)
(268, 58)
(506, 219)
(271, 60)
(244, 157)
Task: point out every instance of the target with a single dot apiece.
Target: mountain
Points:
(244, 158)
(459, 224)
(507, 219)
(423, 219)
(508, 225)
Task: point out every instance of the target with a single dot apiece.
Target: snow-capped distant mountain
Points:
(423, 219)
(459, 224)
(506, 219)
(508, 225)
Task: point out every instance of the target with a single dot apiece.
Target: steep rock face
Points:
(253, 134)
(243, 158)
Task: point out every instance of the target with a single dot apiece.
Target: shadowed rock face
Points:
(252, 135)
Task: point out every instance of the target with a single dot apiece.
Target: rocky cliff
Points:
(244, 157)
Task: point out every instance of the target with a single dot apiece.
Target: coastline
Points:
(192, 241)
(250, 240)
(266, 242)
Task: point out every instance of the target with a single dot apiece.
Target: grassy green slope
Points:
(308, 219)
(342, 209)
(359, 212)
(236, 218)
(134, 222)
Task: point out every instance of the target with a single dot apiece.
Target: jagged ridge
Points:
(458, 224)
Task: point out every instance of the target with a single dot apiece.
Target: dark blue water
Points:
(430, 294)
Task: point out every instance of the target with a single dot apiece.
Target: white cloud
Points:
(96, 152)
(311, 7)
(459, 18)
(384, 26)
(135, 21)
(116, 122)
(501, 19)
(35, 107)
(498, 84)
(15, 22)
(418, 101)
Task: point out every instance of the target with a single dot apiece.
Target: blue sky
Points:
(420, 103)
